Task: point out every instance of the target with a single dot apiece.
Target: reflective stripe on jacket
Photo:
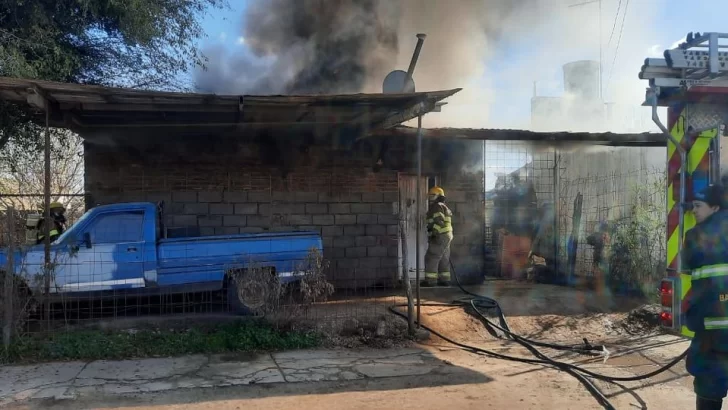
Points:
(439, 219)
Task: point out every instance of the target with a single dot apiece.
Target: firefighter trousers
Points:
(437, 259)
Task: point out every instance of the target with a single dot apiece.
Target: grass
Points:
(116, 345)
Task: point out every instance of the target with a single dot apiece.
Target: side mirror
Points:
(87, 240)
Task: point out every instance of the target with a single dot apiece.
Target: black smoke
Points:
(347, 46)
(307, 47)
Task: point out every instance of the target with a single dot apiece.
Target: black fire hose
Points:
(479, 301)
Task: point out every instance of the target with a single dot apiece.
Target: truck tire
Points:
(245, 297)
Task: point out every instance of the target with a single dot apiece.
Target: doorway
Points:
(408, 208)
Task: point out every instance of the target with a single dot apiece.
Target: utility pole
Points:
(599, 3)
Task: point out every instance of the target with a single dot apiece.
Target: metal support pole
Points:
(418, 213)
(47, 214)
(9, 279)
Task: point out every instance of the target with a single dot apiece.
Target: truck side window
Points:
(117, 227)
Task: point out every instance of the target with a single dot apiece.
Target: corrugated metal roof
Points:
(81, 107)
(605, 138)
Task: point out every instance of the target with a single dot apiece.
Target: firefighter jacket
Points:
(705, 256)
(56, 229)
(439, 220)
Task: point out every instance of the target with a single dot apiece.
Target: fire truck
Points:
(691, 81)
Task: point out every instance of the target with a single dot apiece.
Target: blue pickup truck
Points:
(119, 249)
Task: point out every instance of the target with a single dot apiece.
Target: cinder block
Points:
(356, 252)
(383, 208)
(366, 241)
(332, 230)
(329, 197)
(390, 262)
(355, 230)
(234, 220)
(387, 219)
(184, 196)
(372, 197)
(251, 229)
(376, 230)
(305, 197)
(209, 196)
(221, 209)
(393, 230)
(345, 219)
(369, 262)
(323, 219)
(300, 219)
(174, 208)
(246, 209)
(317, 209)
(288, 209)
(393, 251)
(349, 197)
(207, 231)
(227, 230)
(258, 221)
(327, 242)
(159, 197)
(196, 209)
(339, 208)
(263, 196)
(347, 263)
(361, 208)
(377, 251)
(343, 241)
(366, 219)
(210, 221)
(184, 220)
(334, 253)
(235, 196)
(284, 196)
(390, 196)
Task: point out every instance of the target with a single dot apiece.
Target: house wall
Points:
(239, 188)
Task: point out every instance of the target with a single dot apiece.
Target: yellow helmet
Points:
(55, 205)
(436, 190)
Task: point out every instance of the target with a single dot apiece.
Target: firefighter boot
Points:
(427, 283)
(708, 404)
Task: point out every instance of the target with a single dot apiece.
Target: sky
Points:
(534, 50)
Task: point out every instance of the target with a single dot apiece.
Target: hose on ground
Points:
(476, 301)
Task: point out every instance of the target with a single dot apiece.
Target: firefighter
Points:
(59, 223)
(439, 234)
(705, 256)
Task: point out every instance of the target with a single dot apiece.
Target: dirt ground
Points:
(628, 329)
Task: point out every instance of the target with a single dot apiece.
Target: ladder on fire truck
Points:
(694, 72)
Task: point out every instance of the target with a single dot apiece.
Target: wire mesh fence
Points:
(531, 212)
(589, 216)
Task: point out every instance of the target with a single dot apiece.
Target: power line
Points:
(619, 41)
(616, 16)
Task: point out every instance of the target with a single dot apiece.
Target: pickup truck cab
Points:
(118, 249)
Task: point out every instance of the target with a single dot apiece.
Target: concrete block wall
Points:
(352, 207)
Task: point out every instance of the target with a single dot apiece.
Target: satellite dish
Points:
(398, 82)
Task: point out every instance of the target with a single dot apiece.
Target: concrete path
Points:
(71, 380)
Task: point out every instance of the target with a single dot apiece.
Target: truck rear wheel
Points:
(245, 297)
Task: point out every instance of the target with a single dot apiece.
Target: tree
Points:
(22, 175)
(134, 43)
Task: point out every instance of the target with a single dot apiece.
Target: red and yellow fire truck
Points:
(692, 82)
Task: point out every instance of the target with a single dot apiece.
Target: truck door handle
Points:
(131, 249)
